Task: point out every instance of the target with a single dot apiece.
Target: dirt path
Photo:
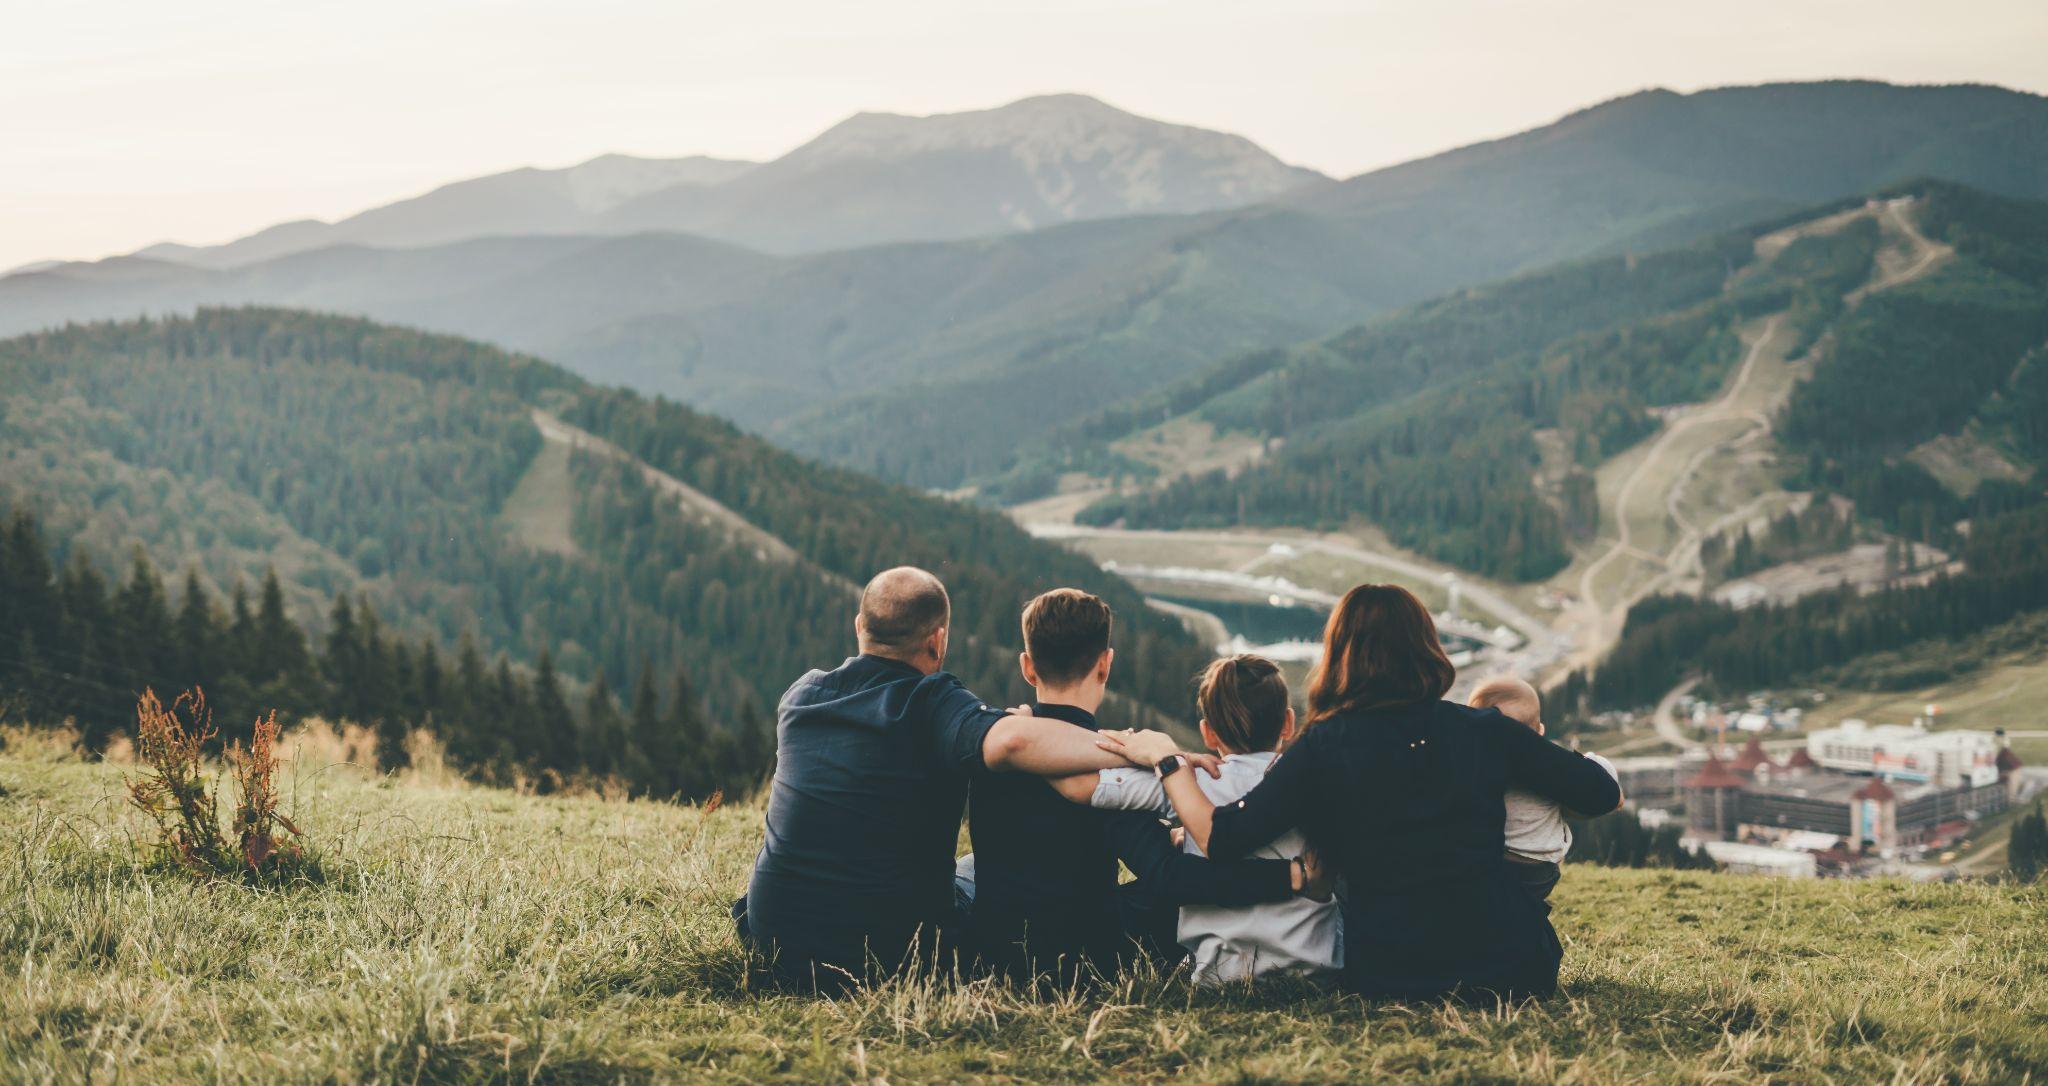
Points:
(1927, 252)
(1666, 718)
(699, 505)
(1602, 618)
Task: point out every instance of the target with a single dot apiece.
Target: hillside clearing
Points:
(467, 935)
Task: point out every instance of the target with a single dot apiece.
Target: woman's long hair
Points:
(1380, 650)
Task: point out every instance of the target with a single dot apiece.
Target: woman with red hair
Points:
(1401, 793)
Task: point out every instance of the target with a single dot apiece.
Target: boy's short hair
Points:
(1516, 699)
(1066, 631)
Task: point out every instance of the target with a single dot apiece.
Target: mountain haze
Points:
(523, 201)
(875, 177)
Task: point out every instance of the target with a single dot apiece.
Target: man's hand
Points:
(1143, 749)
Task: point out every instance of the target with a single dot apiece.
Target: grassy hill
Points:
(987, 342)
(466, 492)
(467, 935)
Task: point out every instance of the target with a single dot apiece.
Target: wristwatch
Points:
(1170, 765)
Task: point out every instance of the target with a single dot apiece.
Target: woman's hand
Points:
(1319, 882)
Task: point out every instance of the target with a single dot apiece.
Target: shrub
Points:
(171, 744)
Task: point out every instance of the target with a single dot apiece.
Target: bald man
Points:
(855, 875)
(1534, 835)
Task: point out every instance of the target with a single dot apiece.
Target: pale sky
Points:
(126, 122)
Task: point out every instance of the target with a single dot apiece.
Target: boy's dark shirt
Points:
(872, 763)
(1046, 868)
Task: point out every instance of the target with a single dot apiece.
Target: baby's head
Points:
(1515, 699)
(1243, 700)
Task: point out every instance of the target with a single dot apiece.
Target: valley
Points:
(1710, 470)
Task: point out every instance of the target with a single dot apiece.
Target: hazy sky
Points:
(125, 122)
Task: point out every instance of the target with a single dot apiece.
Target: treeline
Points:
(1821, 527)
(75, 647)
(1619, 839)
(379, 463)
(1425, 423)
(1666, 637)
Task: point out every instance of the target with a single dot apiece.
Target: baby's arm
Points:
(1116, 790)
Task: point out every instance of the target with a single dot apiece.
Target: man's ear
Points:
(1287, 727)
(860, 626)
(1209, 736)
(936, 644)
(1029, 669)
(1102, 665)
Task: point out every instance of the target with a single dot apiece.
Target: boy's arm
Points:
(1120, 789)
(1074, 787)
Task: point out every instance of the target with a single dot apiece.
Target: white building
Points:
(1763, 859)
(1947, 759)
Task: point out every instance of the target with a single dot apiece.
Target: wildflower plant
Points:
(173, 790)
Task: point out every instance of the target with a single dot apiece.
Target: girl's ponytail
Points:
(1244, 700)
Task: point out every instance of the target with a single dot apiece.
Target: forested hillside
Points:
(379, 466)
(1928, 627)
(934, 363)
(1426, 422)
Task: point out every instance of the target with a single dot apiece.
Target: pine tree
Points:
(603, 731)
(2026, 849)
(643, 728)
(197, 636)
(553, 741)
(680, 754)
(282, 664)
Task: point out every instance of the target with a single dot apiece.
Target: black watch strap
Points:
(1169, 765)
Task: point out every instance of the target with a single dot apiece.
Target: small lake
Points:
(1274, 622)
(1260, 623)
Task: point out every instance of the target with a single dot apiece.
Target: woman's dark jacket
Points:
(1406, 804)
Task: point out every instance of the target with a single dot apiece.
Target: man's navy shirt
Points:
(872, 762)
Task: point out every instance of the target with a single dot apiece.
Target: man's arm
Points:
(1047, 747)
(1174, 877)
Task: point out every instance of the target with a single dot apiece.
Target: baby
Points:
(1536, 835)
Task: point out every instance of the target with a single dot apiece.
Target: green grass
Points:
(473, 935)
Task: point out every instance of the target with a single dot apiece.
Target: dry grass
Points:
(474, 935)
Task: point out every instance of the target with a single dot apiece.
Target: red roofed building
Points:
(1713, 801)
(1753, 761)
(1800, 762)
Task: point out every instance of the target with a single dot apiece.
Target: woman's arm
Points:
(1570, 779)
(1225, 833)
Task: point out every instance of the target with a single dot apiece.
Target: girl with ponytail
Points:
(1246, 718)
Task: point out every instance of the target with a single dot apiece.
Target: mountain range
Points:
(991, 276)
(871, 179)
